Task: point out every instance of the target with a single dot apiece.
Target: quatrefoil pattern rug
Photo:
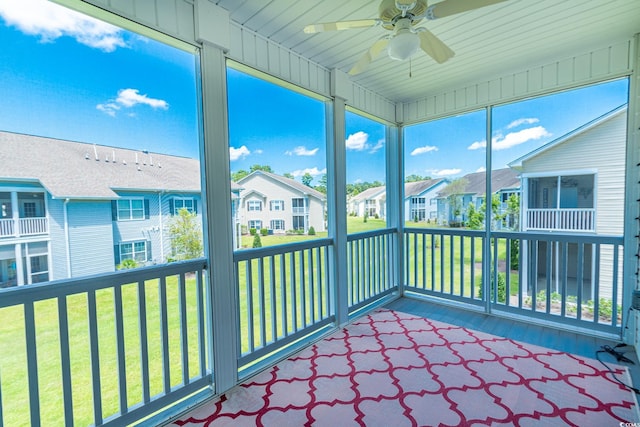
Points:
(395, 369)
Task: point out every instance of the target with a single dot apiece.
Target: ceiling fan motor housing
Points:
(389, 12)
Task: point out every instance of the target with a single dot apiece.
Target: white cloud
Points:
(516, 138)
(477, 145)
(311, 171)
(501, 142)
(258, 151)
(50, 21)
(445, 172)
(518, 122)
(302, 151)
(357, 141)
(129, 98)
(423, 150)
(238, 153)
(481, 169)
(376, 147)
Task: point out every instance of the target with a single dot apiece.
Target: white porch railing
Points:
(26, 227)
(560, 219)
(7, 227)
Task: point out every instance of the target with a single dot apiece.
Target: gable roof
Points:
(419, 187)
(369, 193)
(501, 179)
(70, 170)
(298, 186)
(517, 163)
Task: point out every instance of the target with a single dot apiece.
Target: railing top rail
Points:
(557, 236)
(65, 287)
(446, 231)
(561, 209)
(247, 254)
(372, 233)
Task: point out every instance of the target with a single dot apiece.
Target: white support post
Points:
(218, 219)
(395, 199)
(487, 262)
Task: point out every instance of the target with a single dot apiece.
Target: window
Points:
(254, 205)
(131, 209)
(255, 223)
(277, 224)
(29, 209)
(39, 269)
(276, 205)
(298, 222)
(184, 203)
(134, 250)
(297, 205)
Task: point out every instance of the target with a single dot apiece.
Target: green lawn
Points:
(308, 303)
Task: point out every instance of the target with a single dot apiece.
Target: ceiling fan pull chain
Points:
(410, 62)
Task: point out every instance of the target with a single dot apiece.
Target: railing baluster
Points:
(579, 278)
(294, 293)
(595, 285)
(166, 363)
(472, 276)
(614, 290)
(202, 353)
(283, 292)
(261, 301)
(564, 253)
(32, 363)
(272, 299)
(95, 357)
(120, 353)
(249, 292)
(144, 346)
(303, 288)
(461, 290)
(184, 330)
(65, 362)
(311, 286)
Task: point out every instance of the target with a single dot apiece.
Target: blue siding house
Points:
(70, 209)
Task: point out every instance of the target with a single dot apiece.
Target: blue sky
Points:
(67, 76)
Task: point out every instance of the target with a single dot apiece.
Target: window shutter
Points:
(172, 202)
(116, 254)
(195, 206)
(114, 210)
(146, 209)
(148, 245)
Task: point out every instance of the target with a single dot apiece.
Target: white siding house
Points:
(372, 201)
(420, 199)
(280, 204)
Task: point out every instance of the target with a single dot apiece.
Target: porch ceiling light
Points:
(403, 45)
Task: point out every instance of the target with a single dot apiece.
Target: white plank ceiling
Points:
(488, 42)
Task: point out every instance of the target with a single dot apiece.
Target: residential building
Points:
(504, 183)
(70, 209)
(420, 199)
(280, 204)
(371, 201)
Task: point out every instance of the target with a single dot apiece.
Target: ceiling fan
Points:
(401, 17)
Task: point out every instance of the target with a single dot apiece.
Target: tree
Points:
(237, 176)
(513, 212)
(288, 175)
(475, 217)
(257, 243)
(322, 184)
(265, 168)
(415, 178)
(453, 192)
(306, 179)
(186, 235)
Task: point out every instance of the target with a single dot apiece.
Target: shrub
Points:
(311, 231)
(376, 216)
(514, 261)
(252, 231)
(127, 264)
(264, 231)
(502, 288)
(244, 229)
(257, 243)
(299, 231)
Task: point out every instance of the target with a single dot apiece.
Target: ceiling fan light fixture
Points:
(403, 45)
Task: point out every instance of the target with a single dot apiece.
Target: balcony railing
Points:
(567, 279)
(370, 267)
(560, 219)
(26, 227)
(103, 350)
(284, 295)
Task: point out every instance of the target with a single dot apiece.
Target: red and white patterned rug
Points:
(395, 369)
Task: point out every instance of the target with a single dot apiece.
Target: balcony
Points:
(581, 220)
(140, 340)
(23, 227)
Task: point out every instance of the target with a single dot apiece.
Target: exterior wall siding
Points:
(90, 237)
(137, 230)
(58, 256)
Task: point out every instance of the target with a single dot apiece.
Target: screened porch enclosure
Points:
(139, 346)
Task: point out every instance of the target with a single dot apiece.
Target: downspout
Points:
(67, 244)
(161, 227)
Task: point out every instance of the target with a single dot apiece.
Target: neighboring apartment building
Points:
(280, 204)
(70, 209)
(420, 199)
(575, 184)
(504, 183)
(372, 201)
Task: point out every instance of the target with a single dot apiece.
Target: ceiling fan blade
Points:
(373, 52)
(341, 25)
(451, 7)
(433, 46)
